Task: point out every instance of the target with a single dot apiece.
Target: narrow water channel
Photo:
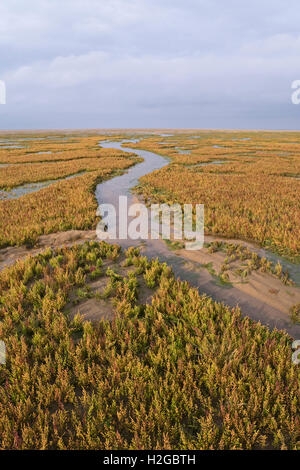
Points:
(18, 191)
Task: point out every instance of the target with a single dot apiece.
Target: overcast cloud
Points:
(149, 63)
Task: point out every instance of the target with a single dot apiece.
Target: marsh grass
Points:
(184, 372)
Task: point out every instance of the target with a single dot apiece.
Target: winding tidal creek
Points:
(258, 305)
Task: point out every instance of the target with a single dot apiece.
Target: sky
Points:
(149, 64)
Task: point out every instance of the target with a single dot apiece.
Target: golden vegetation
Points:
(251, 192)
(47, 151)
(64, 205)
(249, 260)
(182, 373)
(16, 175)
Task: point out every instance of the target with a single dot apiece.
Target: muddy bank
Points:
(263, 298)
(11, 254)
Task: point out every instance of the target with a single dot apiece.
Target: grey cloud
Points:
(152, 63)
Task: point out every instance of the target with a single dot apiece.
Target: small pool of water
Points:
(28, 188)
(11, 147)
(183, 152)
(215, 162)
(292, 268)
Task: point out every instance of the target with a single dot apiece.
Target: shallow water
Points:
(110, 190)
(28, 188)
(292, 268)
(182, 152)
(215, 162)
(171, 145)
(11, 147)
